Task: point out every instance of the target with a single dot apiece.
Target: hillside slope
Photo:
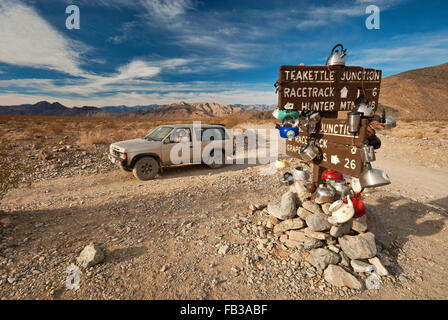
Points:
(417, 94)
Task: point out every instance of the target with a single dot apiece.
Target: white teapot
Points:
(342, 212)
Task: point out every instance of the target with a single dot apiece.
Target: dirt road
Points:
(162, 237)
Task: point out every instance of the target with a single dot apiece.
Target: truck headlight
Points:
(123, 156)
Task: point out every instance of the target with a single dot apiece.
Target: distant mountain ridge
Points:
(176, 110)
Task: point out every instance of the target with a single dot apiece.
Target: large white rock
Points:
(381, 270)
(360, 224)
(290, 224)
(321, 258)
(318, 222)
(90, 256)
(312, 206)
(358, 247)
(338, 277)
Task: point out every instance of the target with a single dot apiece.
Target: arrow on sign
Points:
(335, 159)
(289, 106)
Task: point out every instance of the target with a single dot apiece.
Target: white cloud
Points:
(166, 9)
(322, 16)
(406, 52)
(28, 40)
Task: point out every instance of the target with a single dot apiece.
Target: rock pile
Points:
(345, 253)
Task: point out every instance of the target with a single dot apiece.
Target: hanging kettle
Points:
(337, 58)
(284, 115)
(360, 208)
(308, 151)
(372, 178)
(363, 106)
(287, 131)
(342, 212)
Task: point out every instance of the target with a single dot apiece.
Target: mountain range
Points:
(415, 94)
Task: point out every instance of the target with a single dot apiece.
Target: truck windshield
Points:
(158, 133)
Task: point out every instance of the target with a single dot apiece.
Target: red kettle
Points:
(360, 208)
(332, 175)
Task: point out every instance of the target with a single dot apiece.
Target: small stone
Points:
(292, 244)
(381, 270)
(273, 220)
(338, 277)
(223, 249)
(334, 248)
(311, 243)
(90, 256)
(312, 206)
(296, 235)
(235, 269)
(303, 213)
(359, 247)
(321, 258)
(341, 229)
(290, 224)
(360, 224)
(288, 204)
(317, 235)
(318, 222)
(360, 266)
(345, 260)
(164, 268)
(283, 238)
(326, 208)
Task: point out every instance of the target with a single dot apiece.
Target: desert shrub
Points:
(13, 168)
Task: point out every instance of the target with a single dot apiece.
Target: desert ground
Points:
(163, 239)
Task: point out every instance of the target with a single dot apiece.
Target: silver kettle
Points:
(337, 58)
(324, 194)
(308, 151)
(372, 178)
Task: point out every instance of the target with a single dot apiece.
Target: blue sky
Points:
(142, 52)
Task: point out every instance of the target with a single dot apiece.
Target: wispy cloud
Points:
(28, 40)
(405, 52)
(318, 16)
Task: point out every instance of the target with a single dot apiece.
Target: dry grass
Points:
(432, 130)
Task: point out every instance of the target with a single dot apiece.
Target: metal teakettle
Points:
(308, 151)
(372, 178)
(337, 58)
(324, 194)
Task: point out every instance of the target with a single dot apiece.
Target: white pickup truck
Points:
(146, 156)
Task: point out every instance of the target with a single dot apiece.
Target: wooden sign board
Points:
(333, 156)
(336, 131)
(326, 88)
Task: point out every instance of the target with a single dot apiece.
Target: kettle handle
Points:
(338, 45)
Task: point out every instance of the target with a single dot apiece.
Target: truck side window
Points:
(180, 135)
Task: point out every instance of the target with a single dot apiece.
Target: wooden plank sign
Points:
(336, 131)
(326, 88)
(333, 156)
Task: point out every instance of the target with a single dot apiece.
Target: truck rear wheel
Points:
(146, 168)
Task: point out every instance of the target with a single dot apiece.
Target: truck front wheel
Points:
(145, 168)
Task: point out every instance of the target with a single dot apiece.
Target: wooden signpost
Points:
(326, 88)
(332, 91)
